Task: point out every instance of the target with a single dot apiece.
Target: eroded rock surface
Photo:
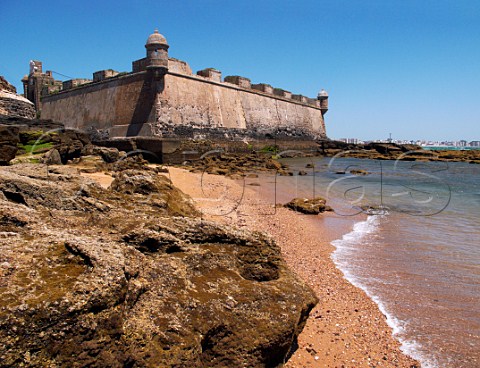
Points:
(109, 278)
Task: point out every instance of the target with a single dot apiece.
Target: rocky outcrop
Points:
(12, 104)
(392, 151)
(232, 164)
(5, 86)
(40, 136)
(108, 278)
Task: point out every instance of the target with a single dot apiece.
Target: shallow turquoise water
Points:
(419, 257)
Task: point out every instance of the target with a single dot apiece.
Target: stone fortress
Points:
(161, 97)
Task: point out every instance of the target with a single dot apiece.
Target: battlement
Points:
(74, 83)
(266, 88)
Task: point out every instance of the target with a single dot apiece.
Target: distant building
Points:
(349, 140)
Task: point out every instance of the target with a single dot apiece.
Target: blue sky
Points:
(410, 67)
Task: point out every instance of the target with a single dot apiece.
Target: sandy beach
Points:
(346, 329)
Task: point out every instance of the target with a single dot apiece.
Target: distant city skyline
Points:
(421, 142)
(408, 68)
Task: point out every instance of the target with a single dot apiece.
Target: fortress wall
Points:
(134, 104)
(118, 101)
(194, 101)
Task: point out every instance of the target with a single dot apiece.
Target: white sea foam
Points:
(346, 246)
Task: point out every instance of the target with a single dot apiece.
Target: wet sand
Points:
(346, 329)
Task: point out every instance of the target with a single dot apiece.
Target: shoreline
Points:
(346, 328)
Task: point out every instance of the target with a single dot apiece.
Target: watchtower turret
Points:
(323, 98)
(157, 53)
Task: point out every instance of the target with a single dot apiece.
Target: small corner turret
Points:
(157, 54)
(323, 98)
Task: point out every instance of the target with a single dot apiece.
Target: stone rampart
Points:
(120, 100)
(191, 101)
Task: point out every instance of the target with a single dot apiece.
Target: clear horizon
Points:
(404, 67)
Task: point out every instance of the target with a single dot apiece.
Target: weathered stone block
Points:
(212, 74)
(300, 98)
(103, 74)
(263, 87)
(239, 81)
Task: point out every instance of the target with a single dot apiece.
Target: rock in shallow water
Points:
(309, 206)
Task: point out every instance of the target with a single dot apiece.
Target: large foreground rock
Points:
(93, 277)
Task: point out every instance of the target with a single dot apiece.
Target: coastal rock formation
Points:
(9, 139)
(95, 276)
(20, 136)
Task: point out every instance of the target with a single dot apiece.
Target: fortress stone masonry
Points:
(161, 97)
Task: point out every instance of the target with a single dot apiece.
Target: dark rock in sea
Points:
(94, 277)
(308, 206)
(359, 172)
(375, 210)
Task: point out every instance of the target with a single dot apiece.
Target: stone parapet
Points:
(263, 87)
(282, 93)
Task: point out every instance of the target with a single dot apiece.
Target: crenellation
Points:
(72, 83)
(211, 74)
(238, 80)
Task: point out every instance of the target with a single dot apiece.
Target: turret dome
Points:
(156, 38)
(322, 93)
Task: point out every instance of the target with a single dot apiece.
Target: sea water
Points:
(417, 254)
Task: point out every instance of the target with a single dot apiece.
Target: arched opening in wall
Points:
(155, 53)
